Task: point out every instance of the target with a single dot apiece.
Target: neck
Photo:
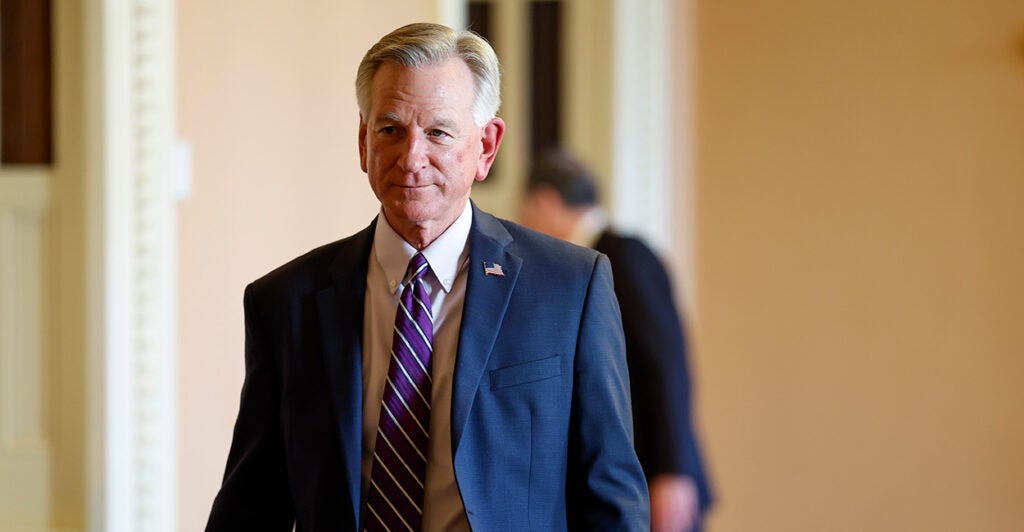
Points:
(588, 224)
(570, 221)
(418, 236)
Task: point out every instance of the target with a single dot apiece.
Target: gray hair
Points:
(423, 44)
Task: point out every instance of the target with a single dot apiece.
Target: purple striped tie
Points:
(395, 497)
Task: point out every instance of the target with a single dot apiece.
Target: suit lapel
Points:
(487, 298)
(340, 308)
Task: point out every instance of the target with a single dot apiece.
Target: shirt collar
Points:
(444, 255)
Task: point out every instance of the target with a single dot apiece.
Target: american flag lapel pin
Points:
(493, 268)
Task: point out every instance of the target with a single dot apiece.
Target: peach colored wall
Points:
(266, 99)
(860, 263)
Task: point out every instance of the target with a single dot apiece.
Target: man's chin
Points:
(410, 212)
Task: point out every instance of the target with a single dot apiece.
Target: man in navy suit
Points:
(526, 419)
(561, 200)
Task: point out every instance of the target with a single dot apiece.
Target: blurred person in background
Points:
(561, 200)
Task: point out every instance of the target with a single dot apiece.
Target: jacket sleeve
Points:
(255, 494)
(606, 486)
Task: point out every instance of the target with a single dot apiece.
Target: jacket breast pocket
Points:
(532, 371)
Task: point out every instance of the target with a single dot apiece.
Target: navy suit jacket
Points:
(666, 440)
(541, 424)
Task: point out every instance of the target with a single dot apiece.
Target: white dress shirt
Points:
(389, 258)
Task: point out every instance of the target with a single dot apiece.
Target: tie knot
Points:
(418, 267)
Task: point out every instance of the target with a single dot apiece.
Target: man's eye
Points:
(437, 133)
(387, 130)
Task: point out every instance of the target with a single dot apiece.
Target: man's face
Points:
(420, 147)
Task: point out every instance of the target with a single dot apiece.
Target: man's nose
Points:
(414, 154)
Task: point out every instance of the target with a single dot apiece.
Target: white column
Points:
(131, 249)
(641, 172)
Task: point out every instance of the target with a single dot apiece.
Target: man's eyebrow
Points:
(445, 123)
(441, 123)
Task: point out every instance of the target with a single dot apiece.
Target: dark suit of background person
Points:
(560, 200)
(541, 432)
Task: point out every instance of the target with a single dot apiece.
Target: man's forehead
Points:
(438, 91)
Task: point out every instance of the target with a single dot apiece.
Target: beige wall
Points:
(67, 292)
(860, 297)
(266, 99)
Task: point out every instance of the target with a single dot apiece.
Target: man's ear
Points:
(491, 137)
(362, 143)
